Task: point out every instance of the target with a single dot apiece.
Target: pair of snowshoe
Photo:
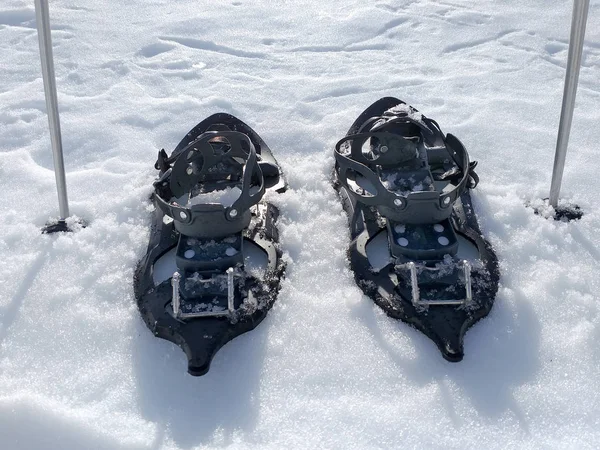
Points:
(405, 187)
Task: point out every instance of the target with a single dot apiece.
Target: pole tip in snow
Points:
(565, 212)
(64, 226)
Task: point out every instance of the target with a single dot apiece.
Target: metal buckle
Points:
(176, 300)
(416, 297)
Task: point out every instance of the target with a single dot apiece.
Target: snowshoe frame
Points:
(424, 267)
(210, 299)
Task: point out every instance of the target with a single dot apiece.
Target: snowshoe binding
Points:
(405, 188)
(210, 219)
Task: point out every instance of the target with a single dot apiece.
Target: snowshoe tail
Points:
(209, 218)
(406, 186)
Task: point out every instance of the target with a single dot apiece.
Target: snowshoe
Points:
(405, 188)
(202, 283)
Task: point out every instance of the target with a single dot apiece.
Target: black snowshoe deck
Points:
(211, 298)
(397, 173)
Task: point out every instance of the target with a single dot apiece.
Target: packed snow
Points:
(327, 368)
(225, 197)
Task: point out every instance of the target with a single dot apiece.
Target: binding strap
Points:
(402, 208)
(200, 161)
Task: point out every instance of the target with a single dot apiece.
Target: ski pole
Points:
(45, 41)
(578, 22)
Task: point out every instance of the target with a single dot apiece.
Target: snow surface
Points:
(326, 369)
(225, 197)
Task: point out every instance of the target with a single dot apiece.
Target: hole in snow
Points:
(378, 251)
(466, 249)
(225, 197)
(165, 267)
(360, 185)
(256, 260)
(370, 149)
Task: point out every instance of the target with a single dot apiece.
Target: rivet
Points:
(402, 242)
(233, 213)
(438, 227)
(189, 254)
(400, 229)
(398, 202)
(383, 149)
(183, 215)
(446, 201)
(443, 240)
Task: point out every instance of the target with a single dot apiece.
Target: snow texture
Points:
(225, 197)
(326, 369)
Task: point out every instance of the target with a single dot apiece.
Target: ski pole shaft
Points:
(578, 22)
(45, 41)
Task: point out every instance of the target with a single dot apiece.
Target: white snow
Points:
(326, 369)
(406, 109)
(225, 197)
